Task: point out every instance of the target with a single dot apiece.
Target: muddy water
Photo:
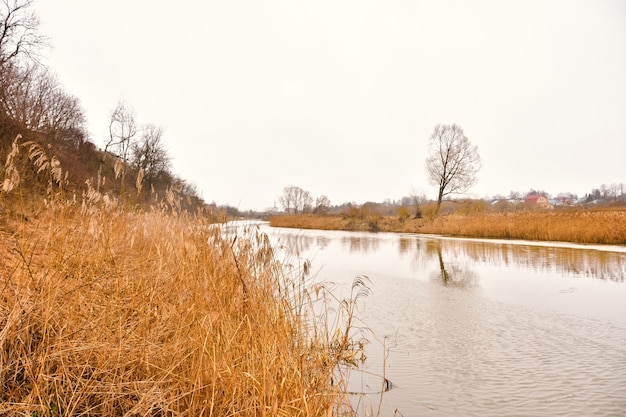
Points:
(480, 328)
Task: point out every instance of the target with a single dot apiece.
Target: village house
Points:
(537, 200)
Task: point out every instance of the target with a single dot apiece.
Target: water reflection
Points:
(298, 243)
(605, 265)
(322, 242)
(295, 244)
(596, 263)
(361, 244)
(454, 275)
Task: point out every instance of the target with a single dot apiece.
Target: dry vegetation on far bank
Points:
(594, 226)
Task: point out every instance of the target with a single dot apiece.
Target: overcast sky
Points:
(340, 97)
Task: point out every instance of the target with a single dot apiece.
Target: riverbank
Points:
(111, 312)
(598, 226)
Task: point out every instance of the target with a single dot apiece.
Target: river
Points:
(465, 327)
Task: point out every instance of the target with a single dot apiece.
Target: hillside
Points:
(76, 160)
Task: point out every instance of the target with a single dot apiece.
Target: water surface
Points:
(479, 327)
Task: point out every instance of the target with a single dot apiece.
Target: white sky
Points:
(339, 97)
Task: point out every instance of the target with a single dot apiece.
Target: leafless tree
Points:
(418, 199)
(322, 204)
(34, 97)
(149, 153)
(122, 131)
(296, 199)
(606, 191)
(610, 192)
(453, 162)
(18, 31)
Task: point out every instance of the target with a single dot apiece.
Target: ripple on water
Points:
(457, 353)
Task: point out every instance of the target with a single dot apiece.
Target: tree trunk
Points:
(445, 277)
(439, 198)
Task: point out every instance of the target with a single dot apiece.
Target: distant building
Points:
(537, 200)
(561, 201)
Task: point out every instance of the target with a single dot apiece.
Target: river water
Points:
(466, 327)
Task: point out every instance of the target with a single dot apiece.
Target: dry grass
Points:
(106, 311)
(597, 226)
(310, 221)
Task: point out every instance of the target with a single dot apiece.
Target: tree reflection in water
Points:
(295, 244)
(600, 264)
(361, 244)
(454, 256)
(454, 275)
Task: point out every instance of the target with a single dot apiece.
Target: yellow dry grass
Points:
(310, 221)
(107, 312)
(597, 226)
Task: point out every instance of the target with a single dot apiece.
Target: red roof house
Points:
(537, 200)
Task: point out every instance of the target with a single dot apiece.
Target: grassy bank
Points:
(598, 226)
(108, 312)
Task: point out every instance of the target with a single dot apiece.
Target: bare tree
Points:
(322, 204)
(418, 199)
(64, 112)
(453, 161)
(18, 31)
(34, 97)
(149, 153)
(122, 131)
(296, 199)
(515, 195)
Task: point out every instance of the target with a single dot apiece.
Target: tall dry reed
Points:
(105, 311)
(114, 313)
